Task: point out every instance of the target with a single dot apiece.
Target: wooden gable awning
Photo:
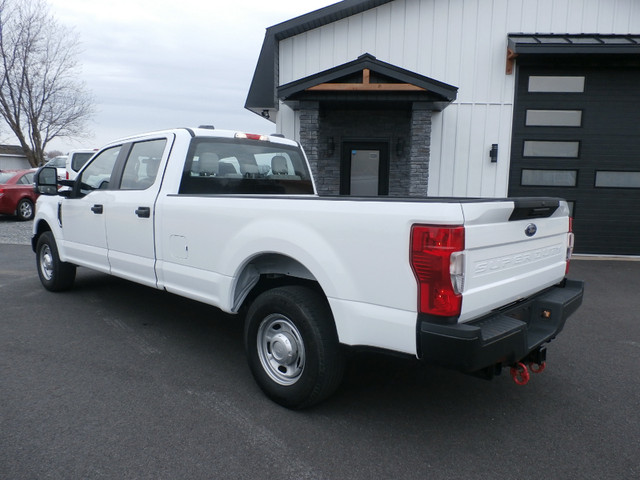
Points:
(366, 85)
(368, 79)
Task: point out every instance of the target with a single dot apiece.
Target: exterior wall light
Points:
(493, 153)
(400, 147)
(331, 146)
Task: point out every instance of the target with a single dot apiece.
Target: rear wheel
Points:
(292, 346)
(54, 274)
(25, 210)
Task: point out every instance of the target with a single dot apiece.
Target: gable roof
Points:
(369, 75)
(262, 92)
(13, 150)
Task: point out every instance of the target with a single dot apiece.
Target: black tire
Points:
(54, 274)
(25, 210)
(292, 346)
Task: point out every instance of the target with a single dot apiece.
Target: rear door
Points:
(130, 213)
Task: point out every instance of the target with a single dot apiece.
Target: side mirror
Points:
(47, 181)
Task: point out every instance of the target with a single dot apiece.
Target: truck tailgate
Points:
(514, 249)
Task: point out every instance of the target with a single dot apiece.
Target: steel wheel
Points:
(281, 349)
(46, 262)
(292, 346)
(54, 274)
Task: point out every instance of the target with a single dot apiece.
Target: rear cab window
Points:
(79, 159)
(236, 166)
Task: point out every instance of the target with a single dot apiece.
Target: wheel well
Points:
(41, 228)
(268, 271)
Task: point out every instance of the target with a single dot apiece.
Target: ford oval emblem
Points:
(531, 230)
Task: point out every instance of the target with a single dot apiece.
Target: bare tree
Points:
(41, 96)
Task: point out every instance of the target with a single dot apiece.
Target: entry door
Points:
(364, 169)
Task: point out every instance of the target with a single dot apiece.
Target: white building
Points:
(12, 158)
(472, 98)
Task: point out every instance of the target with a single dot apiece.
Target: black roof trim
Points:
(322, 17)
(262, 93)
(573, 44)
(441, 90)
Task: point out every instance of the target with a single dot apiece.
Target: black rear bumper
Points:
(504, 337)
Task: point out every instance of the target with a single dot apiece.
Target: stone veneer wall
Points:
(419, 150)
(408, 169)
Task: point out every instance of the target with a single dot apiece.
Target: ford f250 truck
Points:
(233, 220)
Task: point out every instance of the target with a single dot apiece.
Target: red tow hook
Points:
(537, 367)
(520, 374)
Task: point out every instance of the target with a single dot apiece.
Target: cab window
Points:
(98, 173)
(224, 166)
(142, 166)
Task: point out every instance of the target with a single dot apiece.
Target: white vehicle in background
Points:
(75, 160)
(60, 164)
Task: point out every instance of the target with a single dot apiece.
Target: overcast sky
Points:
(155, 64)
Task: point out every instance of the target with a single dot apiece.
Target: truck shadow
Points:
(374, 383)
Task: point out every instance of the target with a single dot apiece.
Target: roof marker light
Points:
(252, 136)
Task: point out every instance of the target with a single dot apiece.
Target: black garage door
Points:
(576, 135)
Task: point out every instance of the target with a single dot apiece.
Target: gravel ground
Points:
(15, 232)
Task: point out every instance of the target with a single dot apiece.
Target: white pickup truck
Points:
(233, 220)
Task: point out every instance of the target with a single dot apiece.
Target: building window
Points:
(556, 84)
(549, 178)
(550, 149)
(608, 179)
(554, 118)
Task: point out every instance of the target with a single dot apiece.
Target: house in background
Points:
(471, 98)
(12, 158)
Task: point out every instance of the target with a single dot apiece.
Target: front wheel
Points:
(55, 275)
(292, 346)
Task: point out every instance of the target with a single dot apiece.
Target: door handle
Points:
(97, 209)
(143, 212)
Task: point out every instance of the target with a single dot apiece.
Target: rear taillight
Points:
(570, 242)
(438, 264)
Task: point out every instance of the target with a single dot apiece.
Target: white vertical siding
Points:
(462, 43)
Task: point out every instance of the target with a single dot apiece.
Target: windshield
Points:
(58, 162)
(228, 166)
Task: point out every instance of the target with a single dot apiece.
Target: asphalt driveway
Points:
(116, 380)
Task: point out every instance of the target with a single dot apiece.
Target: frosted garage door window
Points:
(542, 148)
(550, 178)
(554, 118)
(556, 84)
(618, 179)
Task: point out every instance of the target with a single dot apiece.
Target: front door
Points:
(83, 216)
(364, 170)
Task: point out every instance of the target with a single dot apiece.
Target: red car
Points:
(17, 196)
